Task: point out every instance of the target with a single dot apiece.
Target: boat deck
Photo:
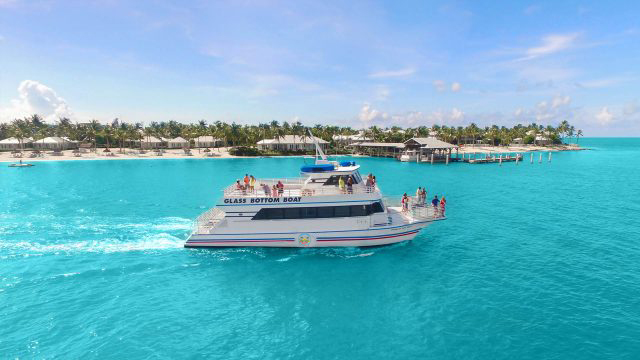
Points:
(295, 187)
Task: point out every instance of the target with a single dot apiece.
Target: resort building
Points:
(55, 143)
(150, 142)
(292, 143)
(14, 144)
(350, 139)
(178, 143)
(207, 141)
(379, 149)
(426, 149)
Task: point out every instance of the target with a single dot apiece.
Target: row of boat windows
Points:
(318, 212)
(334, 179)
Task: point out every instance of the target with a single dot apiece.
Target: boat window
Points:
(308, 212)
(333, 180)
(292, 213)
(343, 211)
(360, 210)
(376, 207)
(319, 212)
(325, 211)
(275, 214)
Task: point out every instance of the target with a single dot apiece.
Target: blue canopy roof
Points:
(347, 163)
(316, 168)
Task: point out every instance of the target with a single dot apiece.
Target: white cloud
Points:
(393, 73)
(369, 115)
(551, 44)
(559, 101)
(455, 87)
(36, 98)
(604, 117)
(440, 85)
(548, 111)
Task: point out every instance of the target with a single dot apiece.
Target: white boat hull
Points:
(339, 238)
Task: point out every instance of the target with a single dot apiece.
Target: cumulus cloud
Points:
(370, 116)
(604, 116)
(440, 85)
(548, 111)
(455, 87)
(36, 98)
(393, 73)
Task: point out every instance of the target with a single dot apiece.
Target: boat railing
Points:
(295, 188)
(208, 220)
(416, 209)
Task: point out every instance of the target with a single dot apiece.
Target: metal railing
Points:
(416, 209)
(295, 187)
(208, 220)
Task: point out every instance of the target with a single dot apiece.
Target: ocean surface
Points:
(535, 261)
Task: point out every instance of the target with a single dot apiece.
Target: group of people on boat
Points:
(439, 205)
(248, 185)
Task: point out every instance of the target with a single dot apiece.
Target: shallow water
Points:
(534, 261)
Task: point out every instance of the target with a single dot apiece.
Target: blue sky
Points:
(405, 63)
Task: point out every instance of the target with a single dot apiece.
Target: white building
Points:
(351, 139)
(177, 143)
(150, 142)
(14, 144)
(292, 143)
(54, 143)
(207, 141)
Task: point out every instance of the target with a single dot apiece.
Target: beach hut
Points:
(150, 142)
(292, 143)
(207, 142)
(51, 143)
(14, 144)
(177, 143)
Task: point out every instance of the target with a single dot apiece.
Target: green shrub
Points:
(245, 151)
(529, 139)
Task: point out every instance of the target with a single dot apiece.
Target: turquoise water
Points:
(535, 261)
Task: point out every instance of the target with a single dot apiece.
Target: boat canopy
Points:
(317, 168)
(347, 163)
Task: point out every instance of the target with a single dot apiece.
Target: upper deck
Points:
(296, 187)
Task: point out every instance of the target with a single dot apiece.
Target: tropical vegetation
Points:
(122, 134)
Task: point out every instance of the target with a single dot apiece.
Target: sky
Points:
(355, 63)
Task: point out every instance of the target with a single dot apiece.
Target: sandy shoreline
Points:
(223, 153)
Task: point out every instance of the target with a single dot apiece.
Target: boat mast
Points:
(321, 158)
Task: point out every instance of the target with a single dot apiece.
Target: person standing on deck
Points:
(341, 183)
(274, 191)
(443, 203)
(424, 195)
(419, 195)
(435, 202)
(246, 181)
(350, 185)
(252, 183)
(280, 187)
(405, 203)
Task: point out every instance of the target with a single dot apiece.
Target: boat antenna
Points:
(319, 153)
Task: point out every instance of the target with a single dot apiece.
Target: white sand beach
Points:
(223, 153)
